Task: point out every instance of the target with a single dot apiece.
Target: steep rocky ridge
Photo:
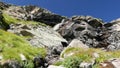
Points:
(91, 31)
(34, 13)
(4, 5)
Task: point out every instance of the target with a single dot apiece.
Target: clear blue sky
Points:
(104, 9)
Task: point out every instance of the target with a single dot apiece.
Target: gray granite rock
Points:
(40, 36)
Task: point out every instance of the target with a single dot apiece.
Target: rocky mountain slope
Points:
(33, 37)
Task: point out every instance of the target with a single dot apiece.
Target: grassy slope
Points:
(11, 46)
(81, 55)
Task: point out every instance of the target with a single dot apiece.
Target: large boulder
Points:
(39, 36)
(77, 43)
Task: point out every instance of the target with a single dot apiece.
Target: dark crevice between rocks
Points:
(3, 24)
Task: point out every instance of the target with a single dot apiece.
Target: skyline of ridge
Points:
(105, 10)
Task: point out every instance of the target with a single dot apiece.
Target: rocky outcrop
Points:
(84, 28)
(40, 36)
(114, 34)
(91, 31)
(34, 13)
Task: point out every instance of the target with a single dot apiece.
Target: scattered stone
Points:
(88, 64)
(85, 65)
(23, 58)
(96, 55)
(1, 57)
(11, 64)
(51, 59)
(112, 63)
(115, 62)
(39, 62)
(57, 50)
(52, 66)
(106, 65)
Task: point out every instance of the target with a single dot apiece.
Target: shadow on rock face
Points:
(39, 62)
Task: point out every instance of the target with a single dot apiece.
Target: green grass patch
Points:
(86, 56)
(72, 62)
(11, 46)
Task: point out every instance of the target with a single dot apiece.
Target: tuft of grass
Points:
(11, 46)
(72, 62)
